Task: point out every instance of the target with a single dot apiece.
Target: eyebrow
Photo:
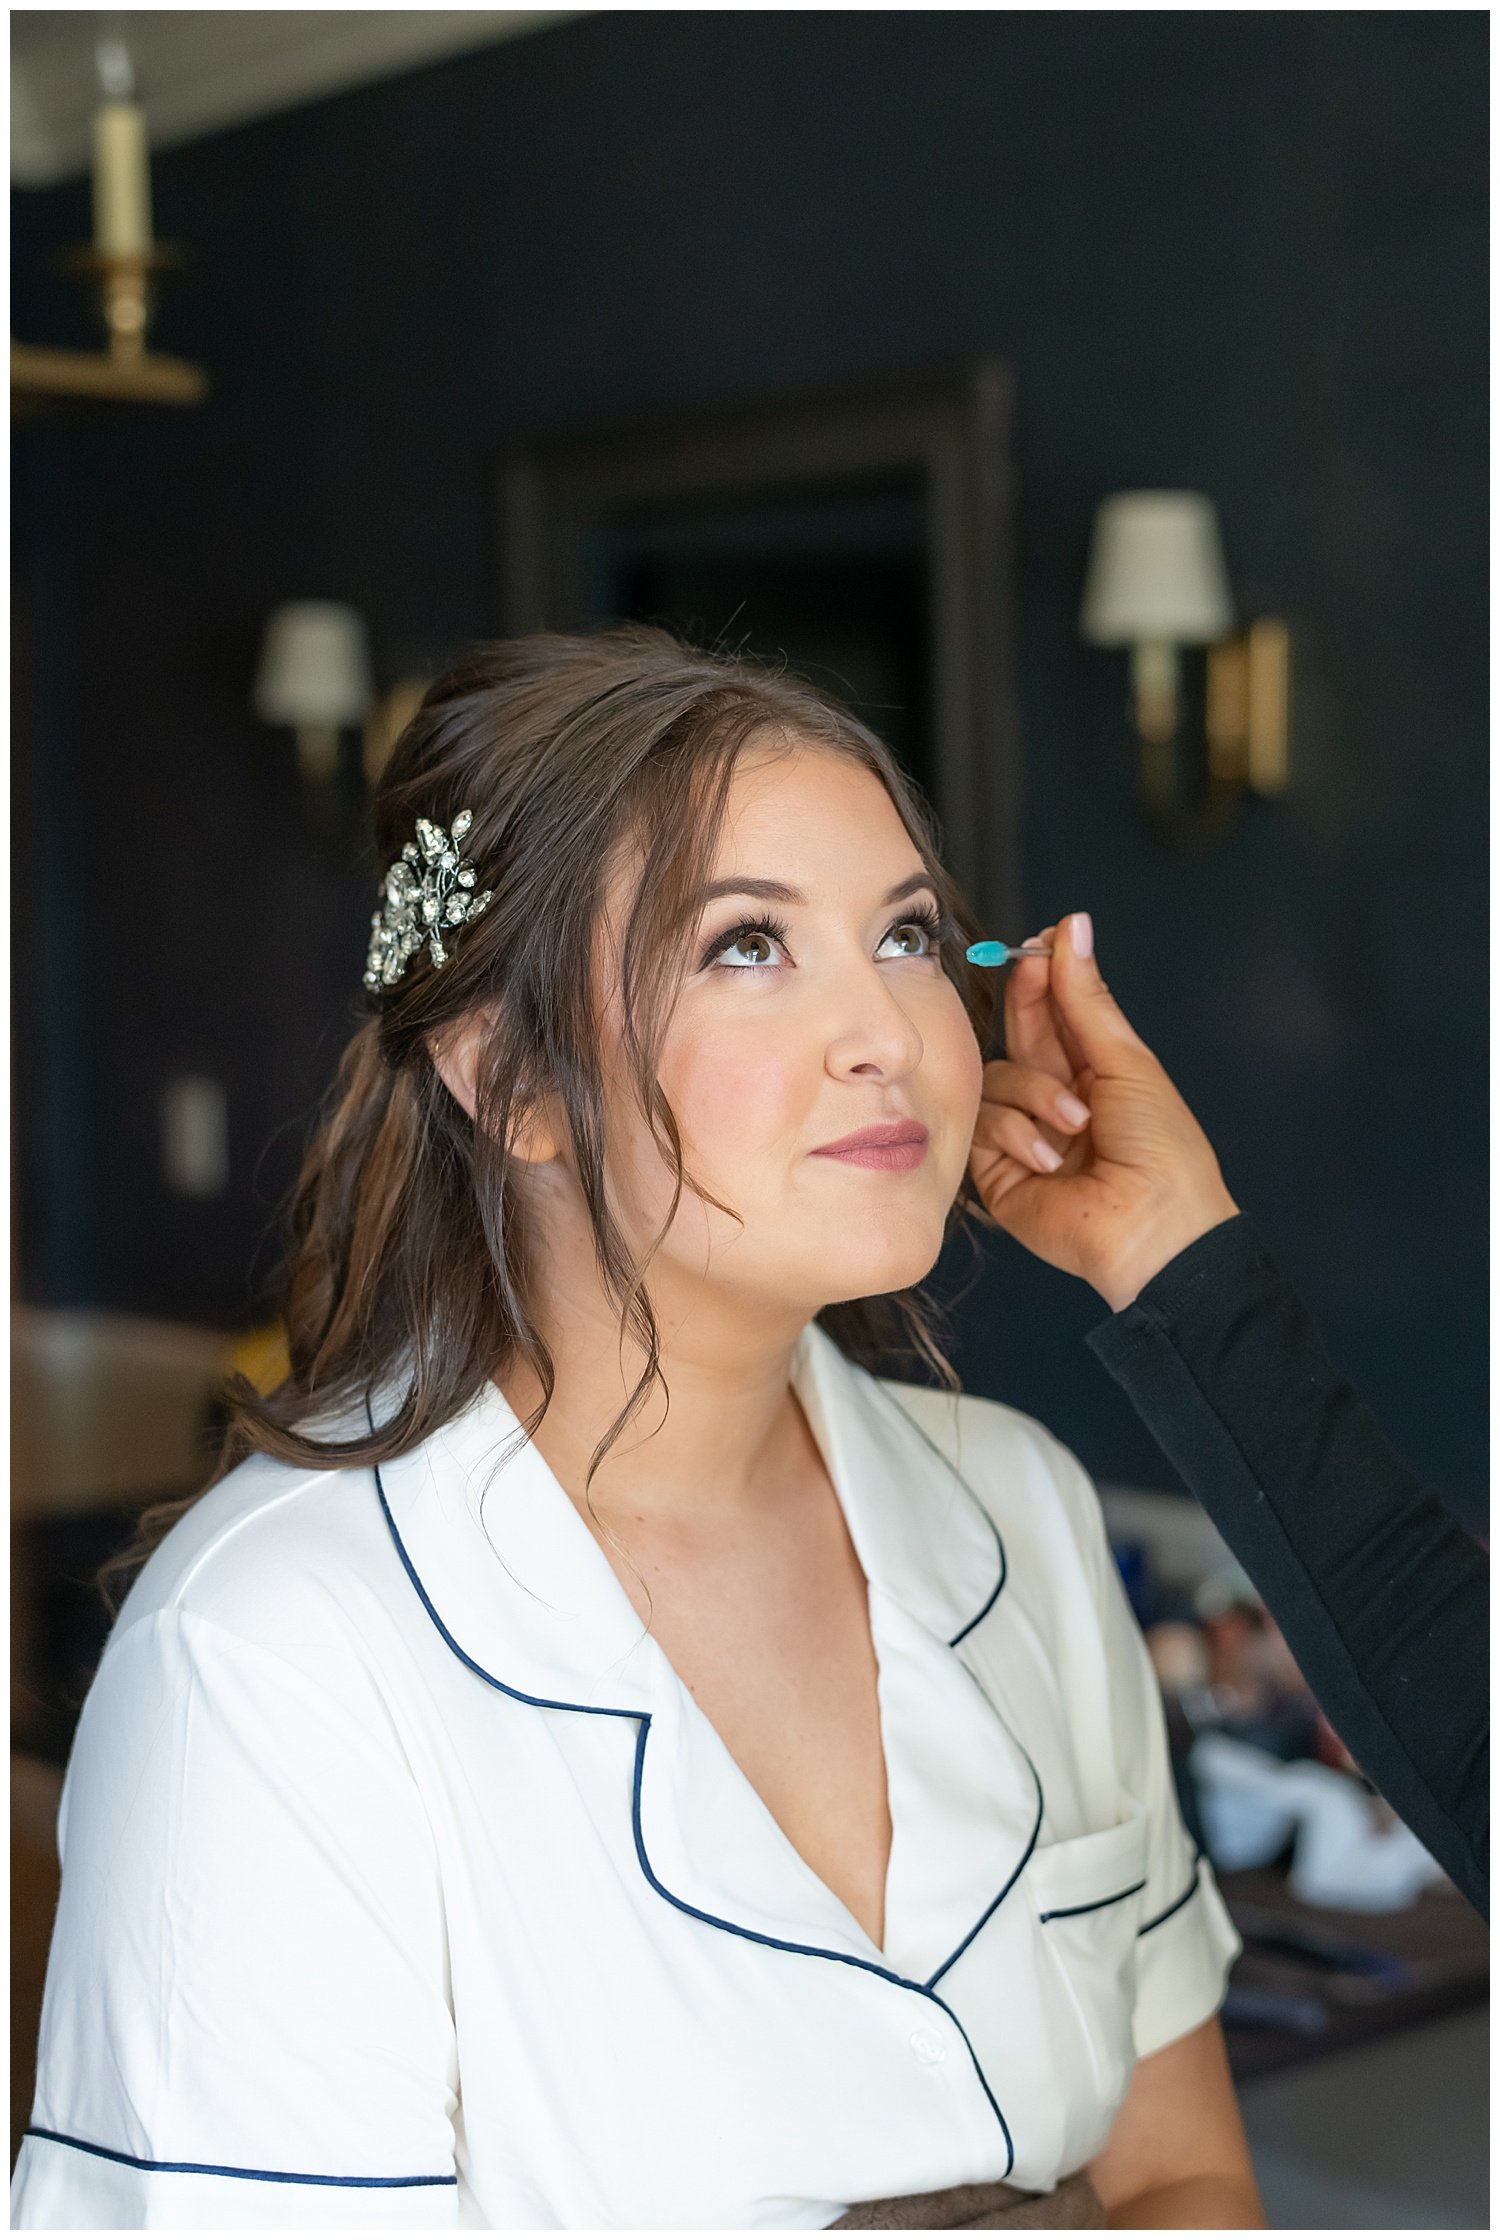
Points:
(775, 890)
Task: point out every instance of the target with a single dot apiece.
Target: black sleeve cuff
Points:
(1227, 1261)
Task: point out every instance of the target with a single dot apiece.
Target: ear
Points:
(454, 1052)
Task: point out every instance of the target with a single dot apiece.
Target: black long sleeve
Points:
(1382, 1594)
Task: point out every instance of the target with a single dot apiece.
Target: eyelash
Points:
(933, 922)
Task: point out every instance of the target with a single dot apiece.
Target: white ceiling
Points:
(198, 70)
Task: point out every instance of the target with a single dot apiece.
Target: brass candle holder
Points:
(126, 292)
(125, 370)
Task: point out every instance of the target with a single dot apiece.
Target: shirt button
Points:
(928, 2047)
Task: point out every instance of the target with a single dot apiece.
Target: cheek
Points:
(962, 1061)
(950, 1080)
(736, 1090)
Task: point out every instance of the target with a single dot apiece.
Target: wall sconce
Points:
(314, 674)
(1157, 582)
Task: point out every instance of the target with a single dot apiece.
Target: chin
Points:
(870, 1270)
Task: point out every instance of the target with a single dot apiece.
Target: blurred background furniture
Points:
(108, 1414)
(1390, 2136)
(1316, 1982)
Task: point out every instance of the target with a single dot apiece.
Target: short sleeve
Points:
(1186, 1942)
(246, 2019)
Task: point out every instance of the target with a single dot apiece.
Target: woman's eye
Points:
(920, 936)
(758, 944)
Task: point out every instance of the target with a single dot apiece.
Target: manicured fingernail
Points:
(1045, 1156)
(1083, 934)
(1072, 1109)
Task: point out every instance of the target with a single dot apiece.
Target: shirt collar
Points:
(514, 1577)
(522, 1592)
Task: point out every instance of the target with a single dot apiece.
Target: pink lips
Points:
(891, 1147)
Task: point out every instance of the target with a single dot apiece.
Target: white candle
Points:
(122, 180)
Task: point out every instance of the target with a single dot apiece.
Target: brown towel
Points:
(1073, 2206)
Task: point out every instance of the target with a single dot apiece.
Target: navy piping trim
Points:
(1016, 1872)
(954, 1472)
(962, 1634)
(1177, 1903)
(751, 1936)
(541, 1703)
(224, 2170)
(999, 1583)
(811, 1951)
(1065, 1913)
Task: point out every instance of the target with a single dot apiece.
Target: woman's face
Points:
(830, 1015)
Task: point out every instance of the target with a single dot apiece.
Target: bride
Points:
(603, 1751)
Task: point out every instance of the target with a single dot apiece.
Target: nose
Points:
(873, 1037)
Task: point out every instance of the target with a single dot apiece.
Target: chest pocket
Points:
(1087, 1895)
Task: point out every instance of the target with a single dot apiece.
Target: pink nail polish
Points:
(1072, 1108)
(1046, 1156)
(1083, 934)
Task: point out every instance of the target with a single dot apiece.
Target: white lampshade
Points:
(314, 665)
(1156, 572)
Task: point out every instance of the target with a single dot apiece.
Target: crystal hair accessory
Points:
(426, 889)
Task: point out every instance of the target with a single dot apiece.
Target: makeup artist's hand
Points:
(1083, 1151)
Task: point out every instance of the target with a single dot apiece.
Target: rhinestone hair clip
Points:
(419, 902)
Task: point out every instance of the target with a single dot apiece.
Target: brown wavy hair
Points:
(410, 1253)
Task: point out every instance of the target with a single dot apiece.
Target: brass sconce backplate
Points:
(1249, 681)
(1244, 750)
(388, 716)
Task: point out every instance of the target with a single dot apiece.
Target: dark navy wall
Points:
(1238, 252)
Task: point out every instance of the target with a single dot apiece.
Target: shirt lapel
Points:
(508, 1569)
(523, 1594)
(965, 1801)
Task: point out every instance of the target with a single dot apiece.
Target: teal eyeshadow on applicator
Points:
(1001, 952)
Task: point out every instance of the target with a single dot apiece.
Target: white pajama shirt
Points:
(405, 1883)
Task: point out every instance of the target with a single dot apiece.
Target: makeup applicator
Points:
(1002, 952)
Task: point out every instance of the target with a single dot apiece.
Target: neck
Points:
(732, 1428)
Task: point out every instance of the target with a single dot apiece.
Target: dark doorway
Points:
(832, 583)
(862, 537)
